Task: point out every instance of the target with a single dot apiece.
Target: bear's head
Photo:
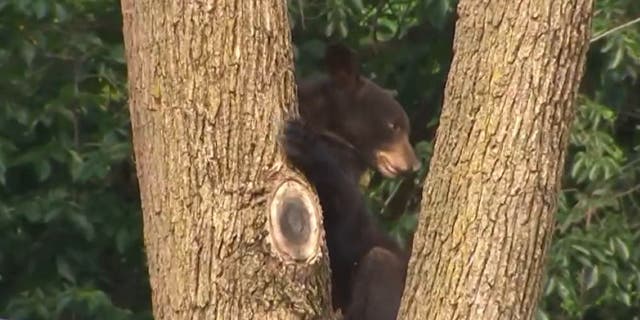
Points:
(351, 107)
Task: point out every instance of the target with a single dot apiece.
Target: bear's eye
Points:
(393, 126)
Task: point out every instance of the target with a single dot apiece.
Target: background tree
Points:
(70, 216)
(230, 231)
(490, 197)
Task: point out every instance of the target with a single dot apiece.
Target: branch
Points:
(618, 28)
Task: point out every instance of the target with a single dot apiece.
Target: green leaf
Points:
(3, 168)
(52, 214)
(600, 256)
(624, 298)
(601, 192)
(584, 261)
(40, 8)
(43, 169)
(83, 224)
(621, 248)
(563, 290)
(577, 165)
(32, 213)
(117, 53)
(582, 249)
(61, 12)
(122, 238)
(62, 304)
(344, 31)
(438, 12)
(357, 4)
(541, 315)
(28, 52)
(594, 173)
(551, 284)
(612, 274)
(328, 31)
(592, 277)
(617, 58)
(64, 270)
(386, 30)
(76, 164)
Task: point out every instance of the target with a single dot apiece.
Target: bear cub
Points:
(348, 123)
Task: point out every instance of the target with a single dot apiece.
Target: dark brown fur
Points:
(366, 265)
(350, 123)
(355, 109)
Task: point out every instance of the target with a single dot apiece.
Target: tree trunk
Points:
(230, 231)
(490, 196)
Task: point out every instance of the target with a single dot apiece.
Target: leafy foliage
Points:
(594, 267)
(69, 215)
(69, 210)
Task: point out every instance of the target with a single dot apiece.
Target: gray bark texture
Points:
(490, 196)
(210, 83)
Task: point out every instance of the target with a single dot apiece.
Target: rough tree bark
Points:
(230, 231)
(490, 196)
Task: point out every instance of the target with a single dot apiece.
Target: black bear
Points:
(349, 123)
(354, 109)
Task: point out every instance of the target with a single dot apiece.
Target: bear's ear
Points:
(342, 65)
